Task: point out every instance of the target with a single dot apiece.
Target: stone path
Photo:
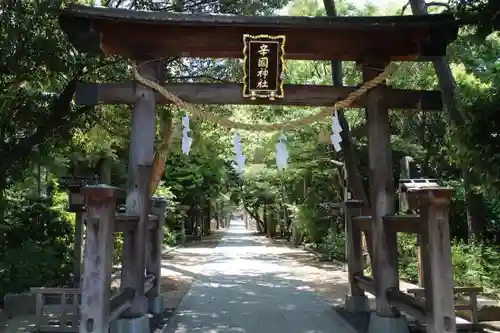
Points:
(247, 287)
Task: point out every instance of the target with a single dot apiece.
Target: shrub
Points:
(37, 246)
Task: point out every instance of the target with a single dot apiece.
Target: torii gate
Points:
(372, 42)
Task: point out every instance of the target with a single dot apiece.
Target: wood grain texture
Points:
(437, 260)
(136, 34)
(96, 289)
(231, 93)
(382, 193)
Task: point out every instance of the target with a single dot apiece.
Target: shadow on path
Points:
(249, 287)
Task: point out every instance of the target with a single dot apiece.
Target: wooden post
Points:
(138, 194)
(404, 208)
(382, 193)
(77, 249)
(346, 197)
(154, 257)
(420, 266)
(137, 251)
(404, 165)
(96, 289)
(436, 252)
(143, 134)
(356, 301)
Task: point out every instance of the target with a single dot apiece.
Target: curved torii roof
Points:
(142, 34)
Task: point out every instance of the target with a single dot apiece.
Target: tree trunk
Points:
(477, 211)
(265, 219)
(105, 171)
(477, 218)
(208, 219)
(161, 153)
(3, 208)
(255, 215)
(354, 179)
(217, 215)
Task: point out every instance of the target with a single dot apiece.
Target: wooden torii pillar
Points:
(154, 254)
(138, 202)
(382, 197)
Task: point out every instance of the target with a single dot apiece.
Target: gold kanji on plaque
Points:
(263, 66)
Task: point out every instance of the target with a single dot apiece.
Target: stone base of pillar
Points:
(379, 324)
(357, 303)
(130, 325)
(155, 305)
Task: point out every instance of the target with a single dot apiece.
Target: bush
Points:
(311, 223)
(335, 244)
(170, 237)
(474, 264)
(407, 255)
(37, 246)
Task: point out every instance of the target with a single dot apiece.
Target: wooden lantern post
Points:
(410, 203)
(96, 288)
(437, 260)
(76, 204)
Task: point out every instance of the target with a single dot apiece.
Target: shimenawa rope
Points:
(196, 112)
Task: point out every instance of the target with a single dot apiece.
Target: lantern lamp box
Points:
(263, 66)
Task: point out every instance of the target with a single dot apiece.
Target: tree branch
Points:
(203, 76)
(403, 9)
(60, 120)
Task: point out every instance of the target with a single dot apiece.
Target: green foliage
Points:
(36, 245)
(43, 136)
(334, 244)
(474, 264)
(407, 255)
(483, 13)
(435, 143)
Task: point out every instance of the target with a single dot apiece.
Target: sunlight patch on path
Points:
(248, 286)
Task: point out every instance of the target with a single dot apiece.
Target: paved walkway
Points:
(246, 288)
